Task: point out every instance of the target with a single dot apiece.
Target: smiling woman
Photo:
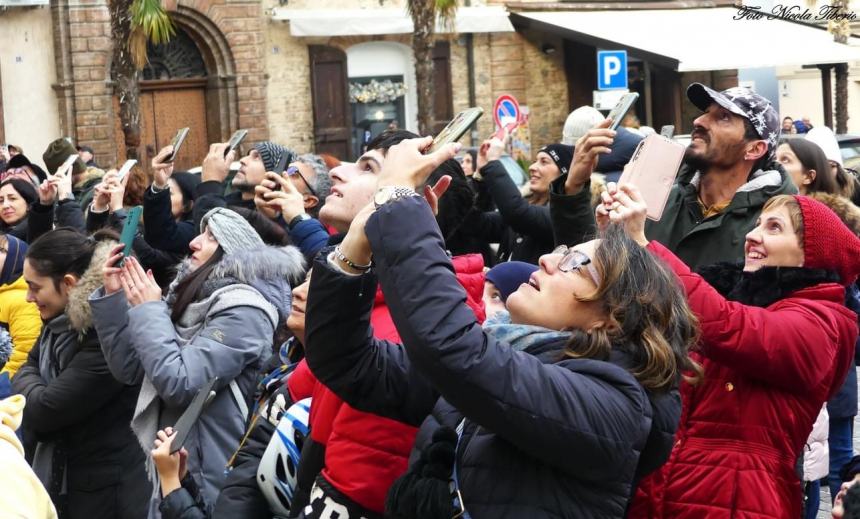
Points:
(16, 195)
(776, 335)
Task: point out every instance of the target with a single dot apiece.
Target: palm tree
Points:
(133, 23)
(424, 14)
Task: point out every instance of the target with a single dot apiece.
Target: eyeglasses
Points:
(293, 170)
(573, 259)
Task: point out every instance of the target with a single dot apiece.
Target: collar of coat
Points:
(765, 286)
(78, 308)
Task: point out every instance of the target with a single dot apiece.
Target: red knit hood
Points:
(827, 242)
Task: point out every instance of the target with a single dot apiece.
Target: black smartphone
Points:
(129, 231)
(621, 108)
(235, 141)
(185, 422)
(280, 167)
(456, 128)
(668, 131)
(177, 141)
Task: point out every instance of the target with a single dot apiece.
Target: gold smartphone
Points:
(458, 127)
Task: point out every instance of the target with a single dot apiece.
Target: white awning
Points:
(365, 22)
(696, 39)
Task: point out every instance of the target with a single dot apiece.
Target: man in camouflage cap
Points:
(727, 175)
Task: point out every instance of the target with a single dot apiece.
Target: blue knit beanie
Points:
(509, 276)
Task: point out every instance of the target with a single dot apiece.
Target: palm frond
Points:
(446, 12)
(152, 19)
(149, 21)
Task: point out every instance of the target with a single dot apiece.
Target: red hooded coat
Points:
(768, 371)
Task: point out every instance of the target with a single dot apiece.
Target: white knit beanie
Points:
(578, 123)
(232, 232)
(826, 140)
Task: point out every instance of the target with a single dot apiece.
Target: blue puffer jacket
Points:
(544, 437)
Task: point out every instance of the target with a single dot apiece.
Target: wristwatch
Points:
(386, 194)
(298, 218)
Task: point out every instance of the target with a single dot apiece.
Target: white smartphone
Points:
(125, 169)
(66, 167)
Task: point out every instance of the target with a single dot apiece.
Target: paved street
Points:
(824, 510)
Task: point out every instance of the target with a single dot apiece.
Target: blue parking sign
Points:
(611, 69)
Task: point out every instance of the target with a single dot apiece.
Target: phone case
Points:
(456, 128)
(621, 108)
(653, 169)
(191, 414)
(235, 141)
(129, 230)
(177, 142)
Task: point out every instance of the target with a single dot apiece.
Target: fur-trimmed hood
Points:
(843, 207)
(272, 271)
(78, 309)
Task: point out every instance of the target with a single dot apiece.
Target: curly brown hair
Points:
(648, 315)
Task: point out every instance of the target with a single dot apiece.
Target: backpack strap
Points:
(240, 400)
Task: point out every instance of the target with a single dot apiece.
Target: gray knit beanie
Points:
(232, 232)
(270, 154)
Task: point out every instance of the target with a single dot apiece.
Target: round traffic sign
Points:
(506, 110)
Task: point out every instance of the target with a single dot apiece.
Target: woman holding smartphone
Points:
(218, 320)
(777, 341)
(555, 411)
(77, 413)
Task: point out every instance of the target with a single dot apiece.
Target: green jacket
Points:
(697, 241)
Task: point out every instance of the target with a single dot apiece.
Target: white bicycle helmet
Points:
(276, 474)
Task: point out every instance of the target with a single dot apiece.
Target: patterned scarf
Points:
(520, 336)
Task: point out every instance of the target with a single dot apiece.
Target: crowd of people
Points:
(413, 335)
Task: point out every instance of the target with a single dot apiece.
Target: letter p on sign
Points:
(611, 69)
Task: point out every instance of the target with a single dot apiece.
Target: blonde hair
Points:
(794, 213)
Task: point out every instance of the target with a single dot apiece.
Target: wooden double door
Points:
(165, 107)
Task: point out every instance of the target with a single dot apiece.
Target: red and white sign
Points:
(506, 110)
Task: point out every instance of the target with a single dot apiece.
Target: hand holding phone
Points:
(66, 167)
(453, 131)
(235, 140)
(280, 167)
(621, 108)
(186, 422)
(177, 141)
(653, 169)
(125, 169)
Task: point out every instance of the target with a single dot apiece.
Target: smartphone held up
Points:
(454, 131)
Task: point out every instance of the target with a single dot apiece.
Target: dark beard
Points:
(696, 162)
(244, 187)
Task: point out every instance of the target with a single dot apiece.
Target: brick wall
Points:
(234, 52)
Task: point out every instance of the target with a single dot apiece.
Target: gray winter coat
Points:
(227, 332)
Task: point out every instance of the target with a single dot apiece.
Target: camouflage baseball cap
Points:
(744, 102)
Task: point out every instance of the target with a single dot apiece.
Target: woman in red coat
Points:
(776, 342)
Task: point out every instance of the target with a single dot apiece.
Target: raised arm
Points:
(369, 374)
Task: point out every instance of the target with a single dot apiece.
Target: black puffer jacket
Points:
(543, 437)
(523, 231)
(83, 413)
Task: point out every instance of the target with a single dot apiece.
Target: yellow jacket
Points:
(21, 319)
(21, 492)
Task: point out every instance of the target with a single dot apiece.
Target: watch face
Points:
(382, 195)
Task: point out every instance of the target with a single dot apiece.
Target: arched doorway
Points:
(190, 82)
